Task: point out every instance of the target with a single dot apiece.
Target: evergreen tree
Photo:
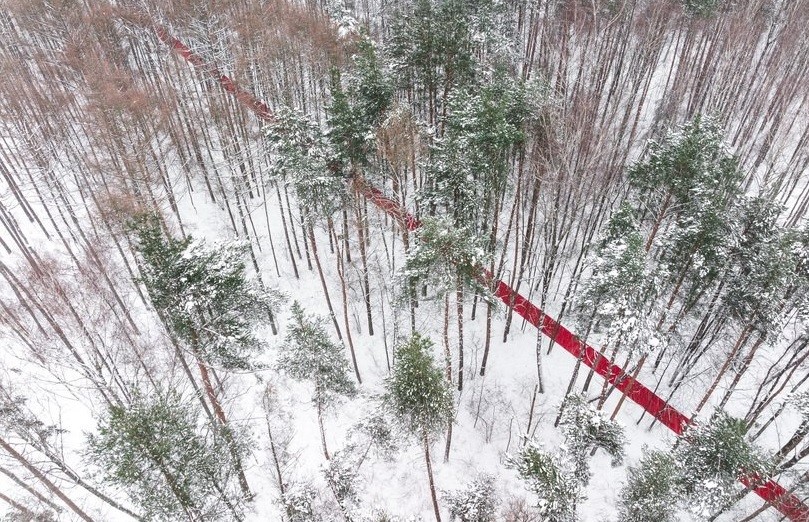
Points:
(203, 295)
(761, 280)
(304, 158)
(299, 503)
(309, 354)
(651, 489)
(470, 162)
(359, 107)
(765, 267)
(475, 502)
(444, 258)
(431, 48)
(689, 182)
(586, 430)
(418, 396)
(442, 254)
(712, 457)
(552, 478)
(704, 8)
(342, 474)
(170, 467)
(614, 297)
(204, 298)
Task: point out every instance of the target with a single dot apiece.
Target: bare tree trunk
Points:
(311, 234)
(459, 310)
(736, 347)
(28, 514)
(59, 493)
(322, 429)
(426, 444)
(344, 294)
(632, 381)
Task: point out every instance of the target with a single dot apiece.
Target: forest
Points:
(404, 260)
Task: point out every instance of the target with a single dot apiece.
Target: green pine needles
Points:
(417, 392)
(550, 477)
(309, 354)
(699, 475)
(203, 294)
(650, 492)
(442, 254)
(170, 464)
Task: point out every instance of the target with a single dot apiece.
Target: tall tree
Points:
(173, 469)
(586, 430)
(713, 456)
(417, 394)
(308, 353)
(650, 492)
(446, 258)
(203, 296)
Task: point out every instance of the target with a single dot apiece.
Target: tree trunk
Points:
(311, 234)
(426, 444)
(220, 415)
(322, 429)
(632, 381)
(459, 311)
(64, 498)
(736, 347)
(344, 294)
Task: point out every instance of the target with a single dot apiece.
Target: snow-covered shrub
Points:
(518, 510)
(341, 474)
(299, 502)
(476, 502)
(379, 431)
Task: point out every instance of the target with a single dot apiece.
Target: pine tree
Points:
(551, 477)
(309, 354)
(170, 467)
(469, 163)
(447, 257)
(586, 430)
(342, 475)
(299, 503)
(419, 397)
(764, 266)
(690, 183)
(203, 295)
(204, 298)
(358, 108)
(712, 457)
(702, 8)
(651, 489)
(304, 158)
(475, 502)
(431, 51)
(442, 254)
(762, 277)
(614, 297)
